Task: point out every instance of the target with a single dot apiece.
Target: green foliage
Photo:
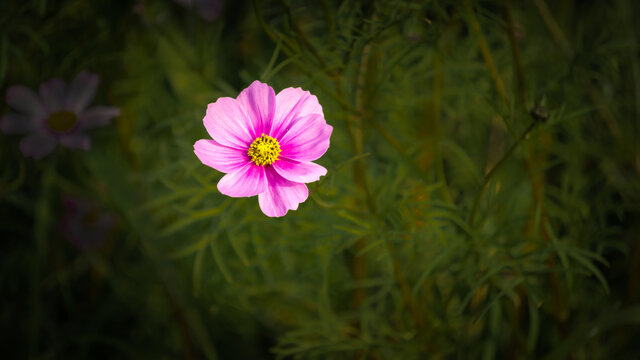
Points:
(453, 221)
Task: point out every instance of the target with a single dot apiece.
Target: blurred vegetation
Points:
(482, 198)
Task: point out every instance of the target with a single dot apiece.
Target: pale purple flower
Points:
(58, 114)
(84, 224)
(206, 9)
(266, 144)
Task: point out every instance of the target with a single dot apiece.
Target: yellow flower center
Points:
(62, 121)
(264, 150)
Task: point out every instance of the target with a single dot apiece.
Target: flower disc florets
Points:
(62, 121)
(264, 150)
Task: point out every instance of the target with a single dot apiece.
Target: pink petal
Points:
(227, 123)
(281, 195)
(25, 100)
(307, 139)
(248, 180)
(302, 172)
(16, 123)
(97, 116)
(76, 141)
(81, 91)
(291, 104)
(220, 157)
(53, 94)
(38, 144)
(258, 102)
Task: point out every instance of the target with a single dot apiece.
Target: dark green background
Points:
(431, 107)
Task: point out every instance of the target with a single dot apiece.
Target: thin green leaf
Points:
(219, 259)
(192, 218)
(443, 255)
(481, 281)
(502, 293)
(197, 272)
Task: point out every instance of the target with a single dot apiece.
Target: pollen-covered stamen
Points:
(264, 150)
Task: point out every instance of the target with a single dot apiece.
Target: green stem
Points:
(517, 59)
(360, 172)
(396, 144)
(302, 36)
(437, 91)
(276, 39)
(486, 54)
(560, 39)
(493, 170)
(40, 230)
(554, 28)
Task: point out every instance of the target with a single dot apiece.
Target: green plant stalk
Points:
(517, 58)
(302, 36)
(493, 170)
(359, 166)
(360, 173)
(290, 53)
(596, 99)
(17, 182)
(554, 28)
(633, 288)
(486, 54)
(189, 319)
(437, 94)
(329, 18)
(396, 144)
(354, 127)
(40, 231)
(517, 342)
(358, 263)
(627, 16)
(593, 94)
(536, 160)
(537, 185)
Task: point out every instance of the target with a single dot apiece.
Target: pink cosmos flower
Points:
(266, 144)
(58, 115)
